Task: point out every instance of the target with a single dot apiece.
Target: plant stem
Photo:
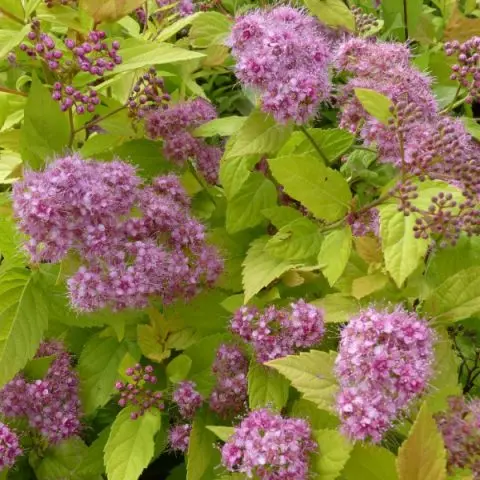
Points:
(11, 16)
(454, 103)
(314, 143)
(192, 170)
(361, 147)
(13, 92)
(72, 128)
(99, 119)
(405, 17)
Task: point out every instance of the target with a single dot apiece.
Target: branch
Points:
(99, 119)
(11, 16)
(13, 92)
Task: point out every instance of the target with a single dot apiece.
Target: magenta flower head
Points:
(187, 399)
(275, 332)
(384, 362)
(283, 54)
(9, 447)
(179, 437)
(270, 447)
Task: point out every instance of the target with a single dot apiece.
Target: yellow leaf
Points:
(363, 286)
(461, 28)
(422, 456)
(109, 10)
(369, 249)
(10, 166)
(216, 55)
(292, 279)
(150, 344)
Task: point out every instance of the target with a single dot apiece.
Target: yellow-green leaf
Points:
(375, 103)
(334, 253)
(333, 452)
(266, 387)
(332, 12)
(109, 10)
(370, 462)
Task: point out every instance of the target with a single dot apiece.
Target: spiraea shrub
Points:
(239, 240)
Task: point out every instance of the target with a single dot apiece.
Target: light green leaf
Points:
(244, 210)
(472, 126)
(9, 242)
(178, 368)
(149, 342)
(9, 39)
(209, 28)
(203, 456)
(311, 373)
(266, 387)
(332, 12)
(282, 216)
(334, 254)
(223, 433)
(334, 451)
(175, 27)
(402, 251)
(338, 307)
(456, 298)
(316, 417)
(422, 456)
(37, 368)
(130, 445)
(397, 9)
(260, 134)
(364, 286)
(370, 462)
(234, 172)
(320, 189)
(109, 10)
(10, 163)
(45, 128)
(333, 142)
(98, 369)
(224, 127)
(375, 104)
(260, 268)
(23, 320)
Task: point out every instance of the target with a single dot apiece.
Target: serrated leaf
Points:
(334, 451)
(234, 172)
(260, 268)
(282, 216)
(98, 369)
(402, 251)
(311, 373)
(175, 27)
(223, 433)
(260, 134)
(338, 307)
(320, 189)
(225, 127)
(333, 142)
(178, 368)
(456, 298)
(370, 462)
(332, 12)
(45, 128)
(109, 10)
(266, 387)
(209, 28)
(130, 445)
(334, 254)
(375, 103)
(422, 456)
(23, 320)
(364, 286)
(244, 209)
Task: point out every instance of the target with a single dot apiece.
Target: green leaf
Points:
(223, 433)
(333, 142)
(260, 134)
(317, 418)
(8, 238)
(334, 254)
(364, 286)
(149, 342)
(65, 461)
(175, 27)
(98, 369)
(456, 298)
(334, 451)
(203, 456)
(9, 39)
(338, 307)
(422, 456)
(234, 172)
(332, 12)
(402, 251)
(244, 210)
(282, 216)
(109, 10)
(266, 387)
(225, 127)
(260, 268)
(320, 189)
(10, 166)
(370, 462)
(23, 320)
(311, 373)
(298, 240)
(209, 28)
(37, 368)
(130, 444)
(178, 368)
(472, 126)
(394, 9)
(45, 128)
(375, 104)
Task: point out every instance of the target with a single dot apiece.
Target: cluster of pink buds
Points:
(69, 97)
(137, 392)
(179, 437)
(365, 223)
(148, 93)
(183, 8)
(9, 447)
(188, 400)
(467, 69)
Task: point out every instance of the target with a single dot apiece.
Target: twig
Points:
(13, 92)
(11, 16)
(99, 119)
(192, 170)
(72, 128)
(314, 143)
(452, 104)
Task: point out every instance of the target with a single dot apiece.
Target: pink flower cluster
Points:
(270, 447)
(50, 405)
(9, 447)
(70, 97)
(230, 367)
(284, 55)
(183, 8)
(384, 362)
(275, 332)
(188, 400)
(365, 223)
(174, 125)
(179, 437)
(137, 393)
(460, 427)
(135, 241)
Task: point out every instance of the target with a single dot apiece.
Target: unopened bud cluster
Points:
(364, 22)
(69, 97)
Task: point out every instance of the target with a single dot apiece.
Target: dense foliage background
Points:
(239, 239)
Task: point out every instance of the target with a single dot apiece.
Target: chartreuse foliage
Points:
(307, 211)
